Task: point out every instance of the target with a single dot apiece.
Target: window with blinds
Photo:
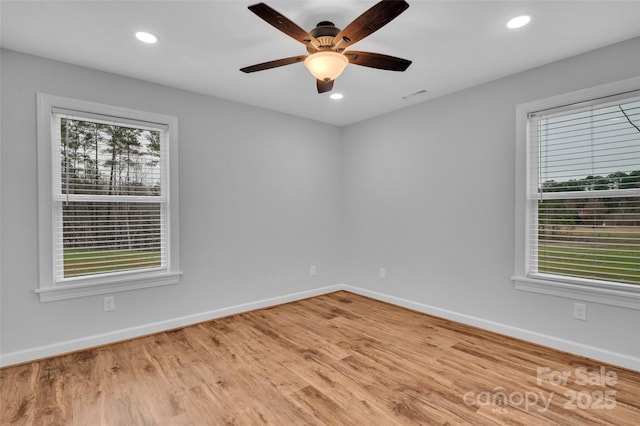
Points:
(584, 191)
(109, 195)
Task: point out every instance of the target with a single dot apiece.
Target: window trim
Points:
(48, 289)
(617, 294)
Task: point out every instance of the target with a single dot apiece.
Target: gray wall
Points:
(430, 197)
(259, 203)
(426, 192)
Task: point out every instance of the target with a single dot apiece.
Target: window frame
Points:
(617, 294)
(50, 290)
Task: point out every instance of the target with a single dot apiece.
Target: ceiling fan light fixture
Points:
(326, 65)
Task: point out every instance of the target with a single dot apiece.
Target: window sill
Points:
(106, 286)
(626, 296)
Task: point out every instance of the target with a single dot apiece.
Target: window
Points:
(585, 192)
(579, 195)
(108, 205)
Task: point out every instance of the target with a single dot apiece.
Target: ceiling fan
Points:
(326, 44)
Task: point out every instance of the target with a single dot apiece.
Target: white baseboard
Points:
(18, 357)
(47, 351)
(595, 353)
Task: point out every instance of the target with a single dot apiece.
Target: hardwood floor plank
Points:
(334, 359)
(19, 410)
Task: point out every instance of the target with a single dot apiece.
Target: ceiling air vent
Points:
(419, 92)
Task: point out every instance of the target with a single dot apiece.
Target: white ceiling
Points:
(202, 44)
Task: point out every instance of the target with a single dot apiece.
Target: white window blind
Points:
(584, 191)
(109, 195)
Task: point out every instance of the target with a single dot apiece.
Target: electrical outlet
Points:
(312, 270)
(383, 273)
(580, 311)
(109, 303)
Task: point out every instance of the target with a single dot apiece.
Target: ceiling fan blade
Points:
(370, 21)
(273, 64)
(284, 24)
(377, 60)
(324, 86)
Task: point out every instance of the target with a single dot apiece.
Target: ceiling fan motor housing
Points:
(324, 32)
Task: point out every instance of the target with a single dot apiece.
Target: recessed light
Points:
(518, 21)
(336, 96)
(146, 37)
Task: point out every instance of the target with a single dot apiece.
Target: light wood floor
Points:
(337, 359)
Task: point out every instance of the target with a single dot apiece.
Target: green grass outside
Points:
(603, 262)
(76, 262)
